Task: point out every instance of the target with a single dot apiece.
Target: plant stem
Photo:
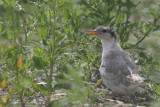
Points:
(21, 99)
(52, 28)
(146, 34)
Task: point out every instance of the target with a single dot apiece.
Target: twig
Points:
(146, 34)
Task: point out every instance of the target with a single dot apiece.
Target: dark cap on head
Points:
(105, 29)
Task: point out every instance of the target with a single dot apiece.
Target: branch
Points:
(93, 8)
(146, 34)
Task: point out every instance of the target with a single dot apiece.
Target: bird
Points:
(117, 70)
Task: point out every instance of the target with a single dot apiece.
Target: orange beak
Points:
(93, 32)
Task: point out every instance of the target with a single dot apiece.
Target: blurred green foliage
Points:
(49, 35)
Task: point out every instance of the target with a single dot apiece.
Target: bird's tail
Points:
(137, 78)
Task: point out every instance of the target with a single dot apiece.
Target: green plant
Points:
(38, 38)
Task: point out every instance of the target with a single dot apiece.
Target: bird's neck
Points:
(108, 46)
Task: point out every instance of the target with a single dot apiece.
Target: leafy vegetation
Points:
(44, 49)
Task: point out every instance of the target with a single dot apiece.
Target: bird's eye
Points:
(104, 30)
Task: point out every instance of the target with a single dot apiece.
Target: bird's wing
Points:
(119, 64)
(130, 63)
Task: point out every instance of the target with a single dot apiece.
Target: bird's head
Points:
(103, 33)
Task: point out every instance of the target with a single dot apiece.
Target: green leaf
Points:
(126, 37)
(39, 62)
(30, 44)
(62, 3)
(42, 33)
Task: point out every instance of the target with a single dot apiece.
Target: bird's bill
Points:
(92, 32)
